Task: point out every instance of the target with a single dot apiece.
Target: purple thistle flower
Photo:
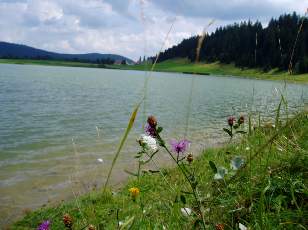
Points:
(179, 146)
(44, 225)
(150, 130)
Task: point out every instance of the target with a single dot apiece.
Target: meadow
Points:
(216, 68)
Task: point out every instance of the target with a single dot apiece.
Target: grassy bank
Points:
(268, 191)
(184, 66)
(48, 63)
(178, 66)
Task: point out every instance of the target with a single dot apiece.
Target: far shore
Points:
(178, 66)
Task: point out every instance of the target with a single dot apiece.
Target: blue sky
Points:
(131, 28)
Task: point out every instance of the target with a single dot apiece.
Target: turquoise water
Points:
(56, 121)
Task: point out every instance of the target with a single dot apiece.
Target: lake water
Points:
(55, 122)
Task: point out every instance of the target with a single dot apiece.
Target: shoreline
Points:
(178, 66)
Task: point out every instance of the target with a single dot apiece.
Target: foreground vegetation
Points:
(216, 68)
(257, 181)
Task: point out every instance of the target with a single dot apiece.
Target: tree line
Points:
(248, 44)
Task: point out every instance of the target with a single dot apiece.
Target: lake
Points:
(55, 122)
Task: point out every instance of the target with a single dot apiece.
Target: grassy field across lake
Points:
(178, 66)
(48, 63)
(258, 182)
(184, 66)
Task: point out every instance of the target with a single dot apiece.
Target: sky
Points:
(131, 28)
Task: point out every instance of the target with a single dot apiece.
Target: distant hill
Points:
(11, 50)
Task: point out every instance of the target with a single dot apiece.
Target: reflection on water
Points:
(56, 121)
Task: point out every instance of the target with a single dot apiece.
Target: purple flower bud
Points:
(241, 120)
(150, 130)
(231, 121)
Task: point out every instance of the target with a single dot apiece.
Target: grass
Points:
(183, 65)
(48, 63)
(268, 192)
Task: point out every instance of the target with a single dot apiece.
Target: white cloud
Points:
(132, 28)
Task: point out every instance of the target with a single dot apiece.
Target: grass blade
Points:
(129, 127)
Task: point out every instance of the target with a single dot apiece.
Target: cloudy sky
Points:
(131, 28)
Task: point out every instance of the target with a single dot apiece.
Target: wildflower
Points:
(134, 192)
(247, 148)
(189, 158)
(44, 225)
(120, 223)
(68, 221)
(100, 160)
(219, 226)
(241, 120)
(179, 146)
(186, 211)
(91, 227)
(242, 227)
(148, 142)
(152, 121)
(231, 121)
(151, 131)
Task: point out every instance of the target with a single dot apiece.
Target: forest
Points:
(283, 44)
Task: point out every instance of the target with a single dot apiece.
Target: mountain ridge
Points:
(14, 50)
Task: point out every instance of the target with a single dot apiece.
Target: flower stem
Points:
(193, 188)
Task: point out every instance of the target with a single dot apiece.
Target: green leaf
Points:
(241, 132)
(228, 131)
(213, 166)
(190, 193)
(221, 172)
(154, 171)
(236, 162)
(126, 223)
(236, 126)
(159, 129)
(183, 199)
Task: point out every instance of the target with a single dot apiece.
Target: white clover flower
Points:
(186, 211)
(247, 148)
(149, 141)
(242, 227)
(100, 160)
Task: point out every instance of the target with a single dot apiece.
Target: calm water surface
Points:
(55, 122)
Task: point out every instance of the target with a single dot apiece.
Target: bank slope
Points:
(268, 192)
